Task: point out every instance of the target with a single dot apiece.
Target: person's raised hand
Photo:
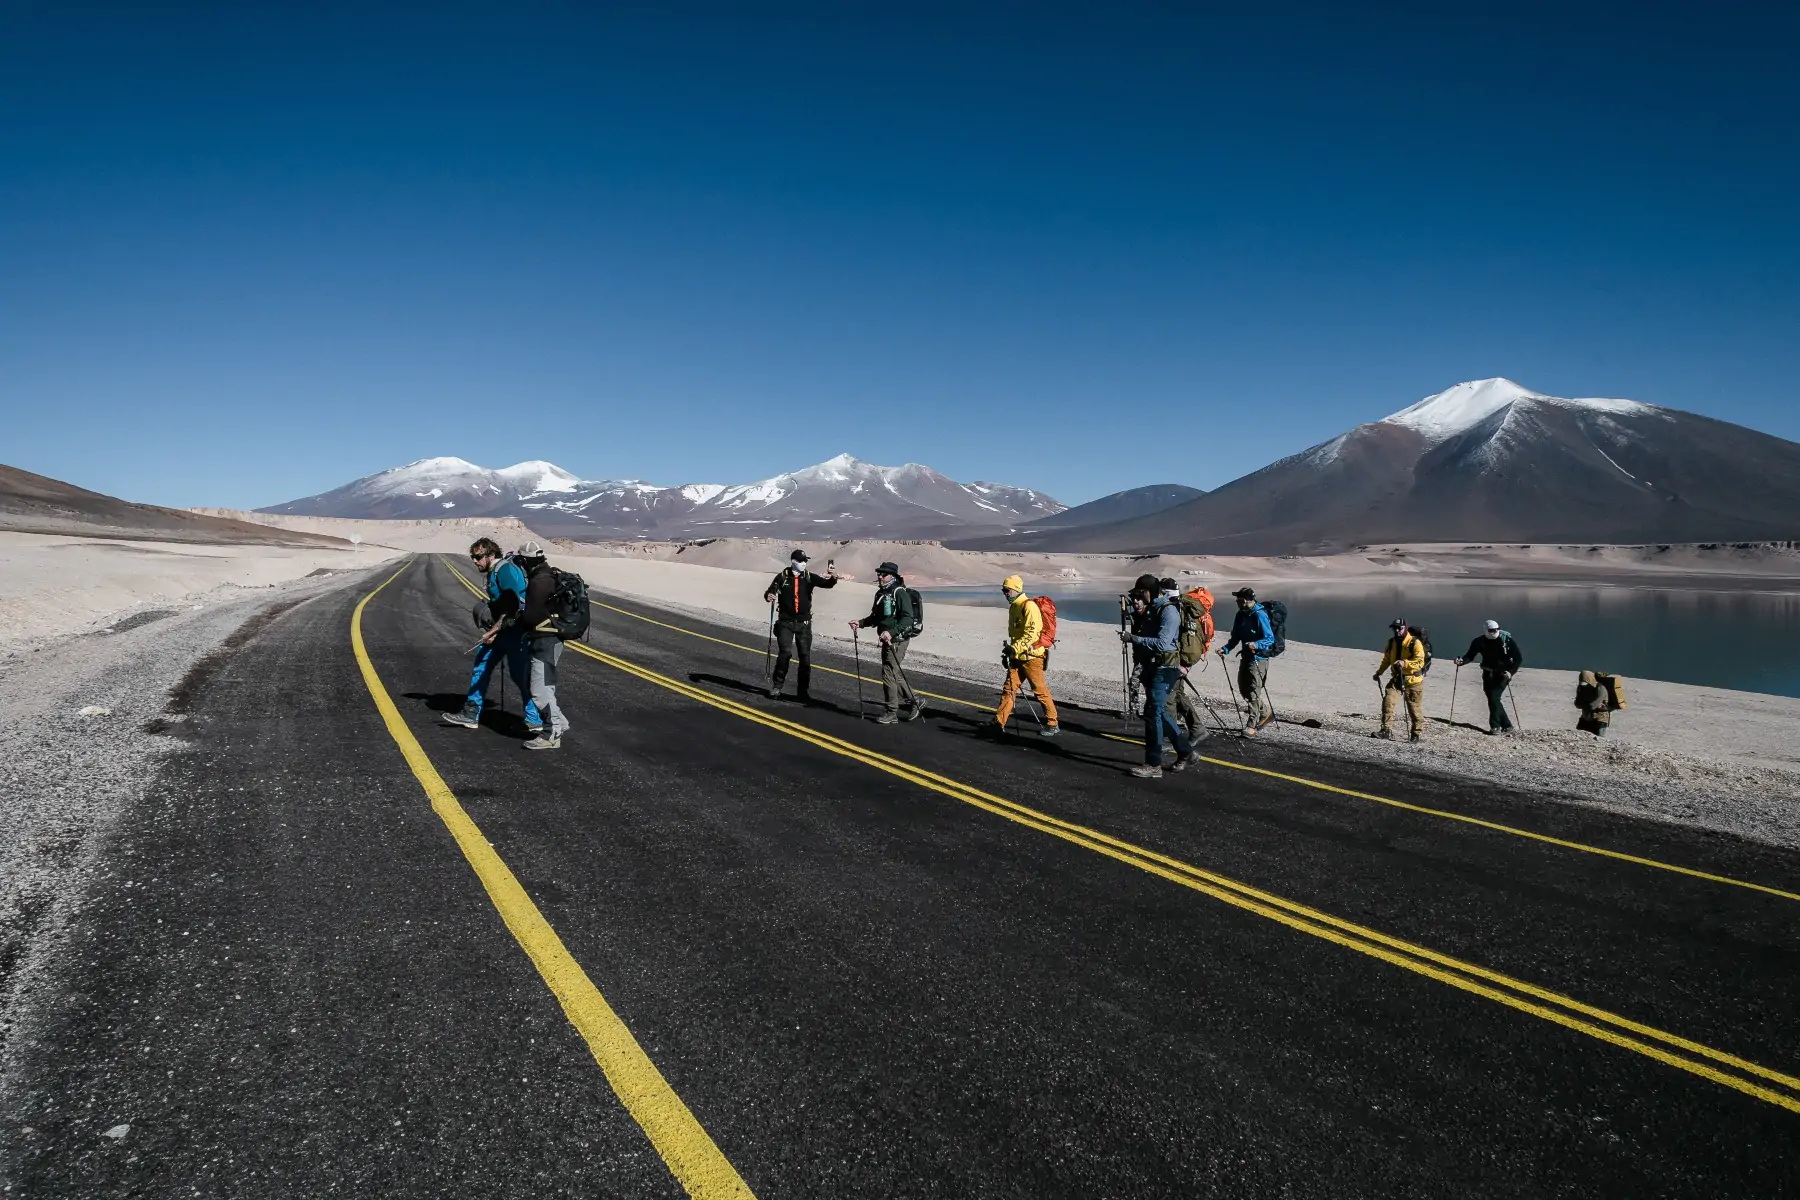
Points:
(886, 637)
(854, 627)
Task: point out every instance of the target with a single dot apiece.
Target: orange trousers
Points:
(1033, 671)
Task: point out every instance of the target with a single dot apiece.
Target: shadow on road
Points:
(507, 724)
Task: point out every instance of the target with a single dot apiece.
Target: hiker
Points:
(1404, 658)
(1196, 637)
(502, 640)
(1251, 630)
(543, 645)
(1024, 654)
(1598, 696)
(895, 617)
(1155, 641)
(791, 593)
(1500, 661)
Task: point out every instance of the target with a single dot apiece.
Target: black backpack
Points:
(569, 613)
(1276, 611)
(1426, 638)
(918, 615)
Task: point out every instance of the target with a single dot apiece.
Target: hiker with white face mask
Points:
(1500, 659)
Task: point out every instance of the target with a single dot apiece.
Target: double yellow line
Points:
(1301, 780)
(1729, 1070)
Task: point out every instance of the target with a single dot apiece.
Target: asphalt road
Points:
(292, 983)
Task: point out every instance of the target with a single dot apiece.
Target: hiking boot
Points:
(1147, 771)
(1415, 738)
(913, 713)
(1050, 731)
(773, 693)
(544, 742)
(1386, 735)
(1185, 761)
(468, 718)
(887, 718)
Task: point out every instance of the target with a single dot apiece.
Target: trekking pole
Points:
(856, 643)
(1204, 707)
(769, 648)
(1454, 680)
(1231, 688)
(1517, 720)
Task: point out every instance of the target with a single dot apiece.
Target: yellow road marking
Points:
(1468, 977)
(1302, 781)
(679, 1138)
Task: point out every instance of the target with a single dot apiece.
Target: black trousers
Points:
(793, 636)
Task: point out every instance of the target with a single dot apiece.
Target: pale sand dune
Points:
(448, 535)
(1725, 759)
(52, 585)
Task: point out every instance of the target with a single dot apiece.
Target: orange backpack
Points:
(1196, 625)
(1047, 610)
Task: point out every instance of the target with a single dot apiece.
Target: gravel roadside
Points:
(67, 776)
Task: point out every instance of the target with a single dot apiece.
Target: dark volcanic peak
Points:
(1489, 460)
(1122, 506)
(38, 504)
(841, 495)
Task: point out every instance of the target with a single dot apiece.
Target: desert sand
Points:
(54, 585)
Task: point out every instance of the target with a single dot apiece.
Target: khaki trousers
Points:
(1415, 705)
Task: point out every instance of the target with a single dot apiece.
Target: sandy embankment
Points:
(444, 535)
(1721, 759)
(52, 585)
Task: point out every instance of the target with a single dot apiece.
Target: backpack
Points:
(1615, 692)
(1047, 610)
(1276, 611)
(913, 630)
(569, 609)
(1196, 625)
(1426, 639)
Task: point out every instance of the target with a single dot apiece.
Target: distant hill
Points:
(1120, 506)
(1487, 461)
(38, 504)
(841, 497)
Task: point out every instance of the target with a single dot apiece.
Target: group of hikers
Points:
(1165, 633)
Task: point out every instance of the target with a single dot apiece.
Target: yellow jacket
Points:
(1024, 624)
(1407, 657)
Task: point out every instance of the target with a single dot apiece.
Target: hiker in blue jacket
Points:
(1155, 641)
(503, 640)
(1250, 629)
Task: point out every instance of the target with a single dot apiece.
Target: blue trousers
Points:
(1157, 685)
(516, 651)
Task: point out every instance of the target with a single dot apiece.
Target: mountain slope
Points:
(1489, 461)
(38, 504)
(840, 496)
(1122, 506)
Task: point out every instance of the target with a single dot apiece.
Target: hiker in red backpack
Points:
(1196, 639)
(1030, 632)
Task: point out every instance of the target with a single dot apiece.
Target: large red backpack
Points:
(1046, 609)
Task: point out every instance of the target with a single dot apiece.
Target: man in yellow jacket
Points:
(1023, 657)
(1405, 655)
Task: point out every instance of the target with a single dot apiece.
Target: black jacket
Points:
(1500, 655)
(540, 587)
(793, 593)
(892, 610)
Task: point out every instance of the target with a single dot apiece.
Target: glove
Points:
(1124, 637)
(1376, 677)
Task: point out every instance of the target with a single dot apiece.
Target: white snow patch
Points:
(1461, 408)
(536, 475)
(702, 493)
(433, 494)
(449, 504)
(1616, 466)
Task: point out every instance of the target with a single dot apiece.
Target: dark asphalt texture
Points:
(290, 982)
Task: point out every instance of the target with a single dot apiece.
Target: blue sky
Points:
(250, 252)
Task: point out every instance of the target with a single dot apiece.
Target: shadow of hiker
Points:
(1025, 739)
(507, 724)
(755, 689)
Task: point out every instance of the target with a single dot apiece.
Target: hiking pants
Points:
(1253, 679)
(546, 654)
(895, 691)
(1157, 719)
(1186, 709)
(1030, 671)
(1415, 705)
(1495, 687)
(509, 646)
(793, 636)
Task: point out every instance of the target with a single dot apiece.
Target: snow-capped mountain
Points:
(840, 495)
(1491, 461)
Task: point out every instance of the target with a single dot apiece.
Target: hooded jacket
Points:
(1156, 635)
(793, 593)
(1251, 629)
(1498, 655)
(1024, 622)
(505, 589)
